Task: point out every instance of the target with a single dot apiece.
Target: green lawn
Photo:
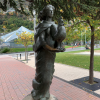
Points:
(70, 58)
(82, 61)
(67, 46)
(19, 50)
(23, 49)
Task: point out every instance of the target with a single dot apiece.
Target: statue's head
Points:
(47, 11)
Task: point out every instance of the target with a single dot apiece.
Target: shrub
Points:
(5, 50)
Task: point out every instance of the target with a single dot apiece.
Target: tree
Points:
(92, 21)
(18, 5)
(14, 22)
(72, 36)
(78, 32)
(25, 39)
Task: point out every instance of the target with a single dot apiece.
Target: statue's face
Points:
(50, 12)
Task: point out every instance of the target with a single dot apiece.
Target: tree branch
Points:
(77, 23)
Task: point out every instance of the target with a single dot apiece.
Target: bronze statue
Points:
(48, 39)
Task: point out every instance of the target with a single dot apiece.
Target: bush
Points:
(5, 50)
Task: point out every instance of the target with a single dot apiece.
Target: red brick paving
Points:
(16, 79)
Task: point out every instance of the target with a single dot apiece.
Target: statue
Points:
(48, 40)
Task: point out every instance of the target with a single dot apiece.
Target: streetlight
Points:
(81, 39)
(85, 34)
(4, 29)
(34, 13)
(0, 37)
(34, 18)
(85, 37)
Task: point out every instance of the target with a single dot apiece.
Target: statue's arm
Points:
(45, 45)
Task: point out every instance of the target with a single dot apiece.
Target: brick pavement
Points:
(66, 72)
(16, 79)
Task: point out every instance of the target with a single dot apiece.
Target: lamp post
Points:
(85, 37)
(0, 37)
(81, 39)
(34, 18)
(85, 34)
(4, 29)
(2, 33)
(34, 23)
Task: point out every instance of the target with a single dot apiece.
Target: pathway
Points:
(16, 79)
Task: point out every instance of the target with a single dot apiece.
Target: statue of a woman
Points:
(46, 46)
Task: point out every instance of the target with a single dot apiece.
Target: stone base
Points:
(29, 97)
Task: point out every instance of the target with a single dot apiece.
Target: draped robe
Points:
(44, 60)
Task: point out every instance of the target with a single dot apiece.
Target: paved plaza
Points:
(16, 80)
(66, 72)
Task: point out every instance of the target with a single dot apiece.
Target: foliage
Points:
(97, 34)
(66, 8)
(80, 26)
(69, 9)
(74, 34)
(25, 38)
(18, 5)
(13, 22)
(19, 50)
(5, 50)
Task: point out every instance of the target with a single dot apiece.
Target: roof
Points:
(12, 35)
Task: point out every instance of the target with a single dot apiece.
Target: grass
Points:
(69, 58)
(82, 50)
(12, 50)
(19, 50)
(82, 61)
(67, 46)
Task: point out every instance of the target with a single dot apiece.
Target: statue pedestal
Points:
(29, 97)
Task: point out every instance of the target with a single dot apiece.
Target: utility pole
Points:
(85, 37)
(81, 39)
(34, 23)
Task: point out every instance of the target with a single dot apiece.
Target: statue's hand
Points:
(61, 49)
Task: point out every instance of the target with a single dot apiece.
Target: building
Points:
(9, 38)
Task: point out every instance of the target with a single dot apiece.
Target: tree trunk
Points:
(25, 53)
(97, 44)
(72, 45)
(91, 56)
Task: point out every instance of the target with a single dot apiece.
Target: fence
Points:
(13, 45)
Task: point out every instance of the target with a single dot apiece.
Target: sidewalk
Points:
(66, 72)
(16, 81)
(88, 53)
